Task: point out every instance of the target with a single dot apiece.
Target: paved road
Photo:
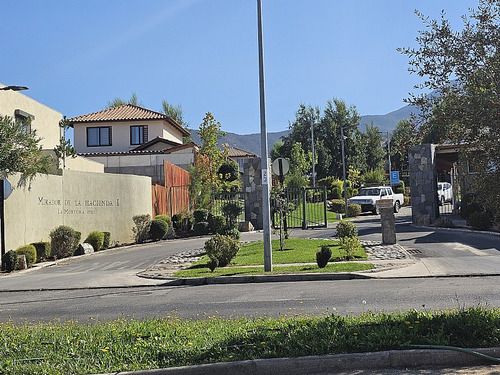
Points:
(272, 299)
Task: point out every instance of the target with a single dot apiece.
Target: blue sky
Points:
(75, 56)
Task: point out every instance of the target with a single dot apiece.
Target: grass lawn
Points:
(127, 345)
(297, 251)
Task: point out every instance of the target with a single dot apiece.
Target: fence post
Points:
(304, 219)
(325, 206)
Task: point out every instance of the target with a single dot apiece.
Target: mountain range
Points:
(251, 142)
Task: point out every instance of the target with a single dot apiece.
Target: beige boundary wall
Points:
(85, 201)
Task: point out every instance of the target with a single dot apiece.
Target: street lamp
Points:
(388, 152)
(312, 149)
(14, 88)
(343, 162)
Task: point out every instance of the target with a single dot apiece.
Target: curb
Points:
(330, 364)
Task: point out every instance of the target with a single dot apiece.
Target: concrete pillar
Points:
(387, 220)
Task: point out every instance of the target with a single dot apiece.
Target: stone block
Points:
(84, 248)
(21, 262)
(246, 226)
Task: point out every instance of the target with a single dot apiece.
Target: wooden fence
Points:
(174, 196)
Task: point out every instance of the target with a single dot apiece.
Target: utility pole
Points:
(312, 149)
(266, 215)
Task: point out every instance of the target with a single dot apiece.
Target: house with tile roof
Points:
(132, 140)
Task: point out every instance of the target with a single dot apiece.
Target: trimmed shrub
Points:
(183, 221)
(400, 188)
(232, 232)
(96, 239)
(350, 245)
(221, 249)
(468, 205)
(336, 192)
(42, 250)
(407, 200)
(9, 261)
(480, 220)
(217, 223)
(158, 229)
(231, 211)
(64, 241)
(353, 209)
(167, 219)
(337, 205)
(200, 215)
(29, 252)
(106, 240)
(346, 229)
(141, 229)
(200, 228)
(323, 256)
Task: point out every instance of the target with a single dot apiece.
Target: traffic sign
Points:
(7, 188)
(394, 177)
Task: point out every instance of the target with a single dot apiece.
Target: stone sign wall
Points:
(424, 204)
(252, 186)
(85, 201)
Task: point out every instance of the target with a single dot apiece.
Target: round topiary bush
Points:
(200, 228)
(480, 220)
(165, 218)
(337, 205)
(346, 229)
(29, 252)
(9, 261)
(353, 209)
(96, 239)
(64, 241)
(42, 250)
(323, 256)
(158, 229)
(200, 215)
(217, 223)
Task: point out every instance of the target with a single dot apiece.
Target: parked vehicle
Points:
(445, 192)
(367, 198)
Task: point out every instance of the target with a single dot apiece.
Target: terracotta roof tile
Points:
(126, 112)
(234, 152)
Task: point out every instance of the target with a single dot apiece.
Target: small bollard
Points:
(387, 220)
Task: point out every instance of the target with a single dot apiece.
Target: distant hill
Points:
(251, 142)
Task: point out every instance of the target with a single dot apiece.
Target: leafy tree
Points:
(374, 155)
(116, 102)
(64, 149)
(300, 164)
(175, 111)
(276, 151)
(210, 156)
(20, 151)
(403, 138)
(463, 69)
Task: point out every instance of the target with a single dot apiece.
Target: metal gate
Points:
(307, 208)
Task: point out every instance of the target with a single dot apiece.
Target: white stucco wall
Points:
(46, 122)
(83, 200)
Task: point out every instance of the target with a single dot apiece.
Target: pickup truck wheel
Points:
(375, 211)
(396, 207)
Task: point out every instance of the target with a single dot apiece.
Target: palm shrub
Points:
(29, 252)
(42, 250)
(158, 229)
(353, 209)
(9, 261)
(63, 241)
(106, 240)
(221, 249)
(96, 239)
(346, 229)
(141, 229)
(323, 256)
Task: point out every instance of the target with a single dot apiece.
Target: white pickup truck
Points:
(368, 196)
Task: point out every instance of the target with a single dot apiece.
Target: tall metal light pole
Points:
(312, 149)
(343, 168)
(266, 214)
(388, 153)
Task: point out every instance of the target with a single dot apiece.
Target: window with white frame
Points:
(99, 136)
(138, 134)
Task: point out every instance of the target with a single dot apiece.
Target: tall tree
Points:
(116, 102)
(175, 111)
(403, 138)
(374, 155)
(20, 151)
(211, 156)
(300, 165)
(463, 68)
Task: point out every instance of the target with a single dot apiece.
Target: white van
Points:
(445, 192)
